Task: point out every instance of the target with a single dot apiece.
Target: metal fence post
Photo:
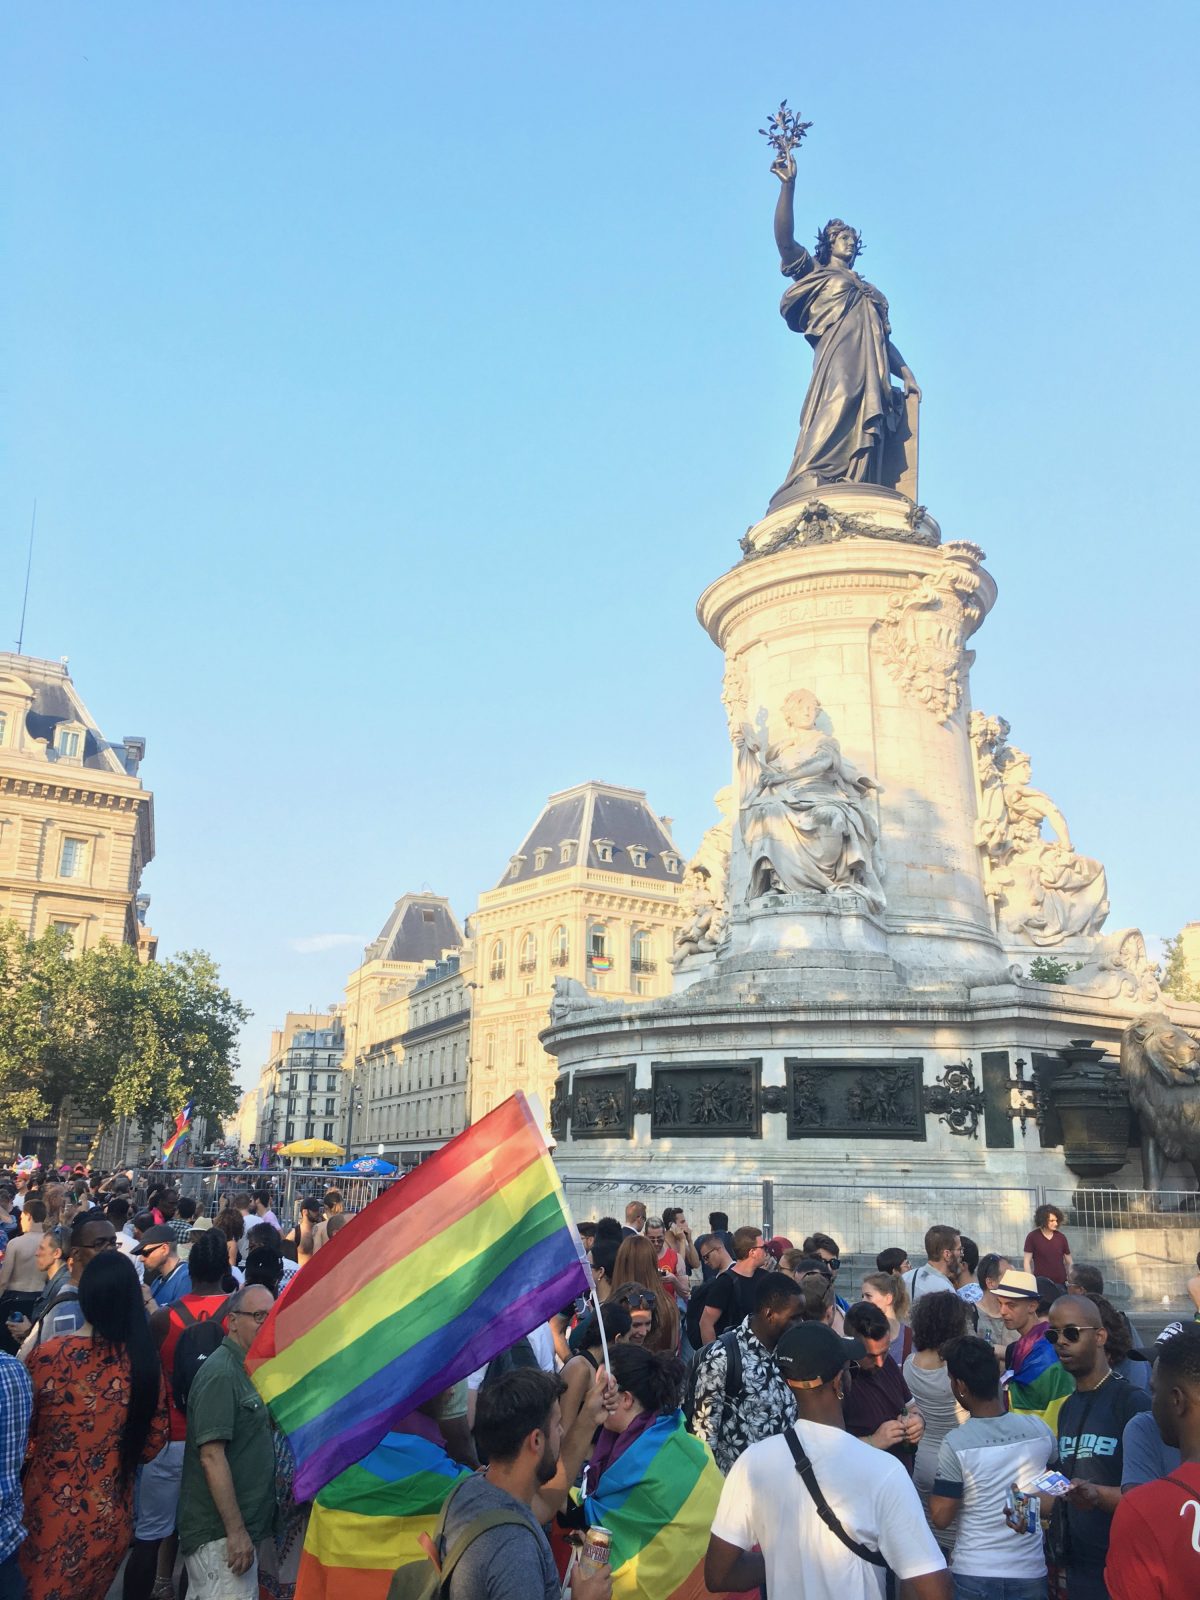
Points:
(768, 1208)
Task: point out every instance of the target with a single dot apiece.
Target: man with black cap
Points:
(827, 1513)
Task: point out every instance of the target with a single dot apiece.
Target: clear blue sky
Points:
(392, 378)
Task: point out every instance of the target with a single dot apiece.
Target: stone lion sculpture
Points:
(1161, 1067)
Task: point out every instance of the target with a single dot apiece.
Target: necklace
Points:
(1099, 1385)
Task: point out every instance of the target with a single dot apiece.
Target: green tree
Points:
(1173, 974)
(118, 1037)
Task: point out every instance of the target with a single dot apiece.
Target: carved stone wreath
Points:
(818, 523)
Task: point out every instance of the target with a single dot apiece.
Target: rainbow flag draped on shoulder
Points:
(1039, 1382)
(370, 1519)
(658, 1500)
(471, 1250)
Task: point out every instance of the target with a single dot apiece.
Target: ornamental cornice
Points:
(72, 794)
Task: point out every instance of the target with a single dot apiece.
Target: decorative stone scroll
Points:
(854, 1099)
(602, 1104)
(924, 634)
(700, 1100)
(1044, 891)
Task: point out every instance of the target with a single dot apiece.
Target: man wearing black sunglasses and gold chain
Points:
(1090, 1425)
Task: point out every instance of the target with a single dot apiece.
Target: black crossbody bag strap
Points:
(824, 1510)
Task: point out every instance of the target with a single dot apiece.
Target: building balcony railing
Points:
(560, 958)
(527, 966)
(496, 971)
(642, 964)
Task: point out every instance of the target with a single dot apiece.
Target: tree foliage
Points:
(1173, 972)
(120, 1038)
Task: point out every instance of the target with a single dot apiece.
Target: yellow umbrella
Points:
(312, 1147)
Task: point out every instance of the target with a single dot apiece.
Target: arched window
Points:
(528, 961)
(496, 970)
(560, 947)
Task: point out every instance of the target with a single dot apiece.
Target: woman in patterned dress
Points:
(99, 1411)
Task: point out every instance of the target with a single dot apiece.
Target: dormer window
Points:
(637, 854)
(604, 850)
(565, 851)
(515, 863)
(540, 857)
(68, 741)
(671, 862)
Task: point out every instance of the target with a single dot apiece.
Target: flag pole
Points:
(600, 1325)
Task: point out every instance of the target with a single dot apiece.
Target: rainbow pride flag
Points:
(369, 1520)
(658, 1500)
(1040, 1383)
(471, 1250)
(182, 1123)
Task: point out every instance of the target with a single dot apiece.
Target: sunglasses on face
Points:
(638, 1302)
(1070, 1333)
(832, 1262)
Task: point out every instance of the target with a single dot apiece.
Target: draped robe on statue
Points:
(851, 405)
(803, 818)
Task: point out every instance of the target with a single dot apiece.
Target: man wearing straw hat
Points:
(1037, 1383)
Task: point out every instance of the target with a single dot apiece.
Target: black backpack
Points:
(735, 1383)
(200, 1337)
(517, 1357)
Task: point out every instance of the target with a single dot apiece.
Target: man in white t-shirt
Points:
(940, 1270)
(977, 1465)
(766, 1502)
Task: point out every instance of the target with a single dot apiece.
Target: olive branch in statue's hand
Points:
(784, 132)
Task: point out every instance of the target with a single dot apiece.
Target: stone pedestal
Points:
(853, 598)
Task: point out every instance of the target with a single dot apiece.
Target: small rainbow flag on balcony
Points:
(182, 1123)
(455, 1262)
(600, 963)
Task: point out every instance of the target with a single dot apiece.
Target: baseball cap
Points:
(159, 1234)
(1015, 1285)
(777, 1245)
(810, 1353)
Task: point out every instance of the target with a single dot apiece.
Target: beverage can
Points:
(597, 1547)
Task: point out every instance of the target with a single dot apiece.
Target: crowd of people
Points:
(979, 1425)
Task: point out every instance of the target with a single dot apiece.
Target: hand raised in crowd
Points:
(601, 1398)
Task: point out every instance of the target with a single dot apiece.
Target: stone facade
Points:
(76, 822)
(302, 1089)
(594, 893)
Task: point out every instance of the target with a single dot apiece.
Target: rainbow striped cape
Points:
(368, 1521)
(471, 1250)
(658, 1500)
(1040, 1384)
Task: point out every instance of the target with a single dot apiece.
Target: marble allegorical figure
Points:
(706, 887)
(804, 817)
(1045, 891)
(851, 406)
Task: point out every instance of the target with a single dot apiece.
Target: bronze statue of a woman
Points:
(851, 408)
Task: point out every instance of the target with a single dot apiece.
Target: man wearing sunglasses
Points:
(227, 1495)
(1090, 1426)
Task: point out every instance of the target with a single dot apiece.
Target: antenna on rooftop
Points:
(28, 570)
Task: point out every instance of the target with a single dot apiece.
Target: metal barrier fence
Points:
(1145, 1243)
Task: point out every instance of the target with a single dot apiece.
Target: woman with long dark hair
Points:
(99, 1411)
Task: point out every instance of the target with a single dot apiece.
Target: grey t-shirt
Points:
(1146, 1457)
(505, 1563)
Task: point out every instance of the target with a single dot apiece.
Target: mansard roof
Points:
(56, 700)
(421, 928)
(597, 825)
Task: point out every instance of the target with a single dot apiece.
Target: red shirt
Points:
(1048, 1254)
(202, 1307)
(1154, 1546)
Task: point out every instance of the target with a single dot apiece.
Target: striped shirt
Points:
(16, 1405)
